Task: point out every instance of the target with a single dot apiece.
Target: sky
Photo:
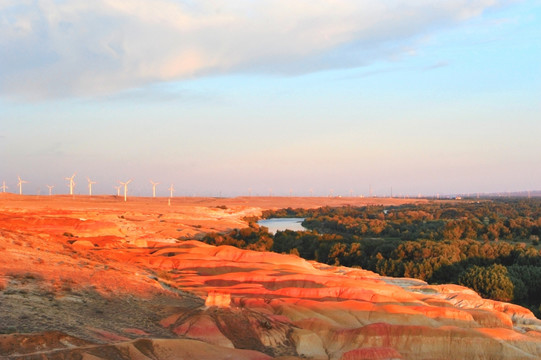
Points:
(281, 97)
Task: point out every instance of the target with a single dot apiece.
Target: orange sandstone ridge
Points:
(97, 278)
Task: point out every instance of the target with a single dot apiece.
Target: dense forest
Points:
(491, 246)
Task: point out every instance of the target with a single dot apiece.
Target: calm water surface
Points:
(281, 224)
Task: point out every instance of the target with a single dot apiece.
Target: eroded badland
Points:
(100, 278)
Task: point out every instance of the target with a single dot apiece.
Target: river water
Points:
(281, 224)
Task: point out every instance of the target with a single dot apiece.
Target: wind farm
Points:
(142, 191)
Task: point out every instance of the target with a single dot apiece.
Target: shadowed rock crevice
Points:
(146, 347)
(252, 330)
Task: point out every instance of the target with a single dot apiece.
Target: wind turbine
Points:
(171, 189)
(4, 187)
(125, 188)
(20, 184)
(90, 182)
(154, 188)
(117, 190)
(72, 183)
(50, 189)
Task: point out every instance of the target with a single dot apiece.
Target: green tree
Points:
(491, 282)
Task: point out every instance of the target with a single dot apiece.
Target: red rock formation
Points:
(218, 299)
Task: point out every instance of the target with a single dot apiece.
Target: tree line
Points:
(484, 220)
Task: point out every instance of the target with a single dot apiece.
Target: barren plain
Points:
(99, 278)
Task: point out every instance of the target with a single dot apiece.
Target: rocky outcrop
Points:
(333, 313)
(218, 299)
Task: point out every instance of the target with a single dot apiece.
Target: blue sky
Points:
(227, 97)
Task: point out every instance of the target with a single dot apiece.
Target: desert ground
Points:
(99, 278)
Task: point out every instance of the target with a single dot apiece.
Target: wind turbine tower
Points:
(154, 188)
(20, 184)
(4, 187)
(125, 188)
(50, 189)
(90, 183)
(117, 190)
(71, 183)
(171, 190)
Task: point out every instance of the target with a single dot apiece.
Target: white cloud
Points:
(55, 48)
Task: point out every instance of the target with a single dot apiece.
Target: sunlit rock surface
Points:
(100, 279)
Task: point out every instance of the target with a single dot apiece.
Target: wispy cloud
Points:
(437, 65)
(156, 93)
(53, 48)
